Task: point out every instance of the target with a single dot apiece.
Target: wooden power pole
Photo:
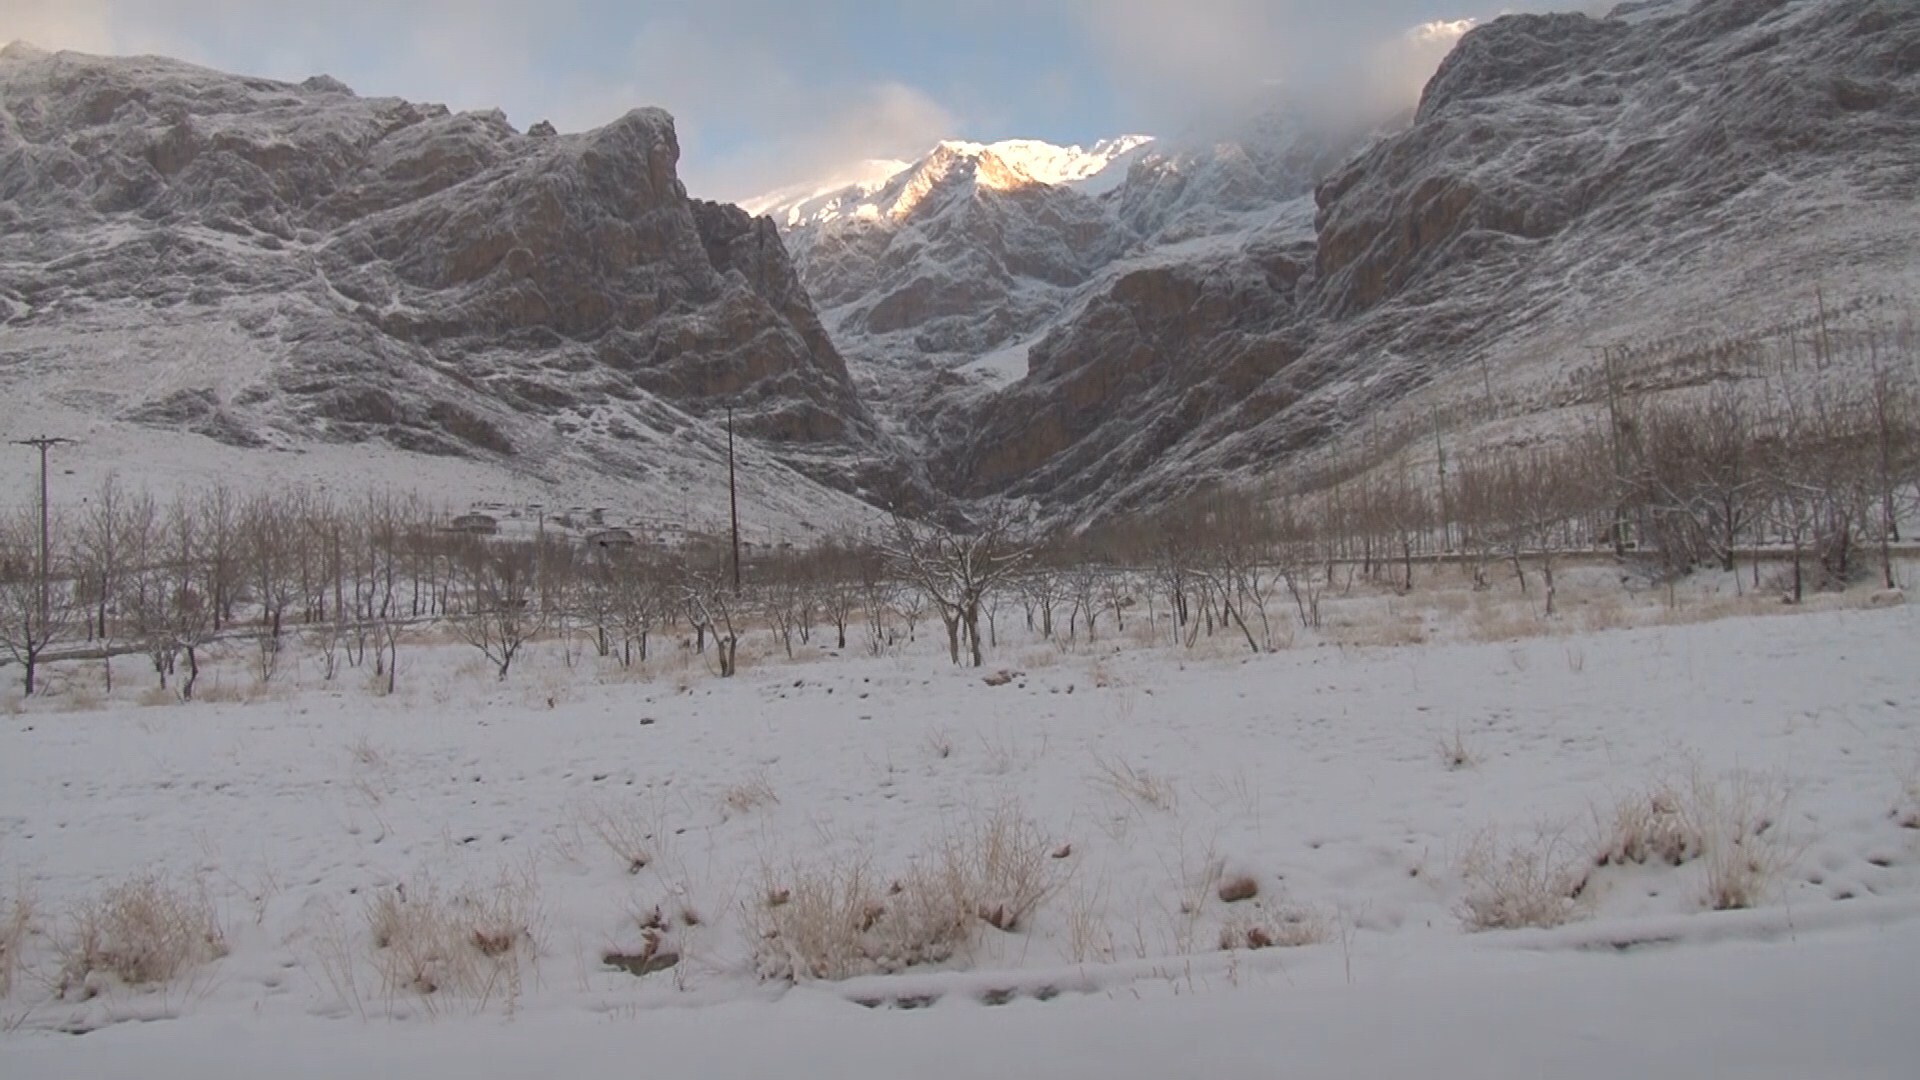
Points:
(43, 444)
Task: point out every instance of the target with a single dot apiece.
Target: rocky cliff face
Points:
(946, 278)
(1565, 180)
(276, 265)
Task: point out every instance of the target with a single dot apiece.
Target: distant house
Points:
(477, 524)
(611, 538)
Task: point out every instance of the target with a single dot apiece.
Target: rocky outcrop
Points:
(1540, 125)
(957, 256)
(1564, 178)
(1162, 349)
(989, 251)
(374, 269)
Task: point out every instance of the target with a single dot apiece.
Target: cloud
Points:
(95, 26)
(79, 24)
(1399, 68)
(884, 120)
(750, 117)
(1181, 61)
(767, 94)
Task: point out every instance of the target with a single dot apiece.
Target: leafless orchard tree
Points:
(958, 570)
(33, 613)
(708, 597)
(501, 615)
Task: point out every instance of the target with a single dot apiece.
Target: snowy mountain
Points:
(270, 280)
(875, 190)
(934, 280)
(235, 268)
(1566, 181)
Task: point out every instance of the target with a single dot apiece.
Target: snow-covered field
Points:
(1374, 801)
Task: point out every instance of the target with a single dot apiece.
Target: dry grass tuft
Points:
(1494, 621)
(1287, 926)
(366, 755)
(144, 932)
(1652, 826)
(1089, 938)
(1510, 886)
(939, 743)
(628, 831)
(1455, 753)
(1746, 850)
(475, 944)
(1134, 785)
(1604, 612)
(749, 795)
(1731, 825)
(1008, 864)
(154, 696)
(1386, 630)
(16, 917)
(838, 921)
(1906, 809)
(83, 697)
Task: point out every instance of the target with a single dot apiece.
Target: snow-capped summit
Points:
(893, 189)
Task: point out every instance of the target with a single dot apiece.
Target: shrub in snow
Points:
(1286, 926)
(144, 932)
(1455, 753)
(1133, 785)
(1514, 886)
(1745, 852)
(836, 921)
(1730, 826)
(474, 943)
(628, 831)
(1651, 826)
(16, 914)
(1008, 865)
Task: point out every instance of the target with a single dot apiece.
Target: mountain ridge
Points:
(287, 265)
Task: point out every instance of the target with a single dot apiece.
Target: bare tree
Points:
(957, 570)
(501, 616)
(1083, 588)
(105, 560)
(637, 596)
(1895, 424)
(33, 614)
(710, 600)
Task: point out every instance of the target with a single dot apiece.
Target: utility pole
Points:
(1617, 445)
(1440, 456)
(733, 503)
(43, 444)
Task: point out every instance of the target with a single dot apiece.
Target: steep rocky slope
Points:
(936, 278)
(276, 266)
(1566, 180)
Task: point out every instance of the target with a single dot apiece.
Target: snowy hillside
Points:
(1247, 295)
(262, 277)
(934, 281)
(1693, 171)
